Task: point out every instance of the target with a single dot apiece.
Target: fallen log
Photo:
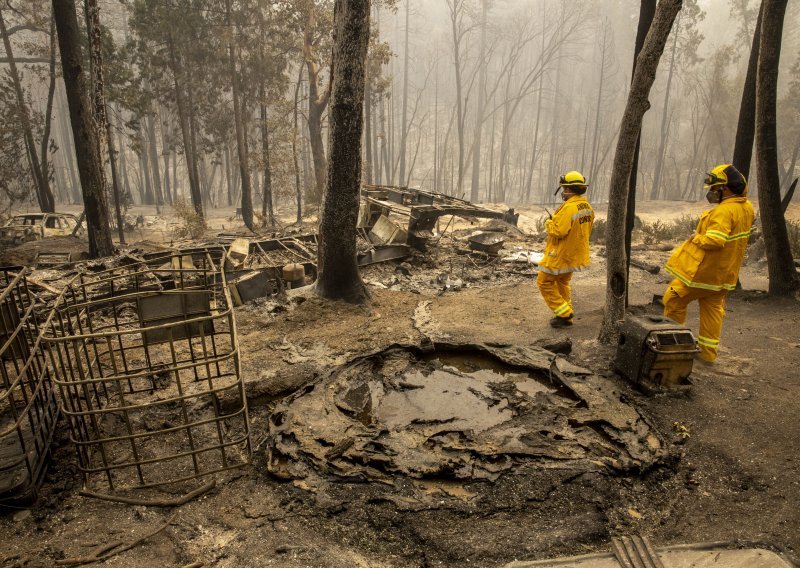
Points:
(651, 268)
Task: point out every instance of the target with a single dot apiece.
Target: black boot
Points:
(561, 322)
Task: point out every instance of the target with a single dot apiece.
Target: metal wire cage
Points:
(148, 368)
(28, 406)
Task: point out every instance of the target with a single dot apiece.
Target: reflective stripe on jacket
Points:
(567, 246)
(712, 258)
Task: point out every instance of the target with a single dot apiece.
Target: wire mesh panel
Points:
(28, 407)
(148, 368)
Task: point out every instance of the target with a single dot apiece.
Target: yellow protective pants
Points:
(712, 311)
(556, 292)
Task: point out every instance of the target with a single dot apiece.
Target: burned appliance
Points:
(655, 352)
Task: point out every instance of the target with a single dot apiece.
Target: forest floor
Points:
(732, 471)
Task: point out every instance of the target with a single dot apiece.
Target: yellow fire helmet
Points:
(726, 174)
(572, 179)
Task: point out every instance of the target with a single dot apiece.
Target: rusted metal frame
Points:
(235, 441)
(184, 412)
(237, 370)
(214, 399)
(38, 411)
(123, 404)
(21, 373)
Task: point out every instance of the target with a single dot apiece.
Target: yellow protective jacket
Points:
(567, 246)
(711, 259)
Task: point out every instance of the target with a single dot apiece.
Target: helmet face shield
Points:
(713, 179)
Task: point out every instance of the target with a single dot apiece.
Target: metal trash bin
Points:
(655, 352)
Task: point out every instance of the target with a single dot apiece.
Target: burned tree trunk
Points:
(338, 270)
(84, 129)
(646, 12)
(636, 106)
(317, 102)
(267, 208)
(241, 128)
(184, 109)
(746, 129)
(783, 279)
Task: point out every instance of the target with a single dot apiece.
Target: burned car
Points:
(34, 226)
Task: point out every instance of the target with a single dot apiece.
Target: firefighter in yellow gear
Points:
(706, 266)
(567, 247)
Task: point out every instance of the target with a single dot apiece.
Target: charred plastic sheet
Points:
(465, 412)
(418, 210)
(28, 407)
(145, 355)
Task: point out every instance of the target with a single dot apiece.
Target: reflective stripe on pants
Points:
(712, 311)
(556, 292)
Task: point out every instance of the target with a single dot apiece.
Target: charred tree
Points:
(746, 128)
(665, 116)
(783, 279)
(184, 118)
(647, 10)
(267, 208)
(636, 106)
(84, 129)
(317, 102)
(241, 127)
(404, 126)
(339, 277)
(476, 156)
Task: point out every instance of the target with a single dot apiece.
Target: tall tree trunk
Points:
(144, 159)
(534, 152)
(184, 110)
(404, 126)
(267, 207)
(746, 127)
(69, 154)
(662, 142)
(47, 194)
(43, 193)
(154, 164)
(317, 102)
(338, 270)
(115, 183)
(297, 187)
(455, 15)
(368, 128)
(647, 10)
(635, 108)
(476, 155)
(241, 127)
(783, 278)
(84, 130)
(596, 135)
(226, 165)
